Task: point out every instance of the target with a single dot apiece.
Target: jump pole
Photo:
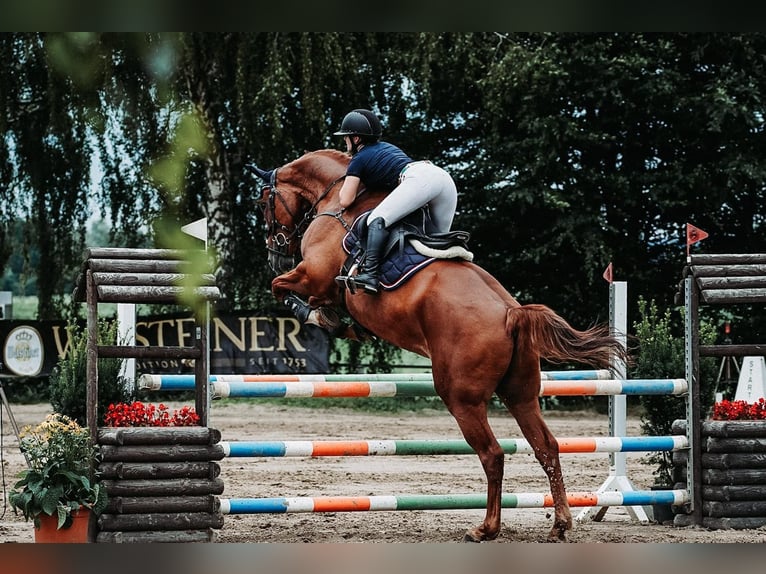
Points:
(410, 447)
(282, 505)
(169, 382)
(236, 387)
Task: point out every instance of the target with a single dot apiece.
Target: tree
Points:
(44, 168)
(603, 146)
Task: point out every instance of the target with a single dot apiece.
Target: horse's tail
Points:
(555, 340)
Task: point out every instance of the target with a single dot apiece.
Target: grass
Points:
(25, 308)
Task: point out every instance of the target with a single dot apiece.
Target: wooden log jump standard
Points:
(162, 482)
(733, 476)
(714, 279)
(118, 275)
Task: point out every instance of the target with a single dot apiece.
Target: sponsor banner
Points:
(240, 343)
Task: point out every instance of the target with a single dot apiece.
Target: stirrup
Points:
(353, 285)
(346, 282)
(371, 287)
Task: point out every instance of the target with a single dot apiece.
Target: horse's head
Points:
(289, 198)
(281, 216)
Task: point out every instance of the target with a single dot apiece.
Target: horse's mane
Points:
(323, 165)
(320, 161)
(335, 154)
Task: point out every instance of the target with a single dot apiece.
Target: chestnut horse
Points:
(479, 339)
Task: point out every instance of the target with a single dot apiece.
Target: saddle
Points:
(413, 244)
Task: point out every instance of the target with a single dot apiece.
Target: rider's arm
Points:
(349, 190)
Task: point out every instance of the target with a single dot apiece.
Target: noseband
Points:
(280, 258)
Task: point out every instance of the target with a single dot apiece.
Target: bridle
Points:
(283, 236)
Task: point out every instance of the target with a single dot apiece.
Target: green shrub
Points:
(68, 389)
(662, 356)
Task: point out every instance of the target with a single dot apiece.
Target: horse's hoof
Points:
(479, 535)
(560, 536)
(467, 537)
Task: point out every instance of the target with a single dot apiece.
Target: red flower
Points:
(138, 414)
(739, 410)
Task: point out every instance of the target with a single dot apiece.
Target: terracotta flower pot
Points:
(76, 533)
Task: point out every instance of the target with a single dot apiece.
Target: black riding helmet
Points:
(362, 123)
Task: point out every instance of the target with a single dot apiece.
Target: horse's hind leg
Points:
(519, 390)
(546, 449)
(473, 423)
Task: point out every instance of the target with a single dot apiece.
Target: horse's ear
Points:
(262, 173)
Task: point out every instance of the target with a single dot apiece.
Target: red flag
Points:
(694, 234)
(608, 273)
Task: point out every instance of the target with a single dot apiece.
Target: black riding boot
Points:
(377, 235)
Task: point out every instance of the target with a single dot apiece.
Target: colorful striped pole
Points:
(284, 448)
(186, 382)
(362, 389)
(444, 502)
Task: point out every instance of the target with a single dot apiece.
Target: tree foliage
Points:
(570, 150)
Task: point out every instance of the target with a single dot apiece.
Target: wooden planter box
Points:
(162, 484)
(733, 474)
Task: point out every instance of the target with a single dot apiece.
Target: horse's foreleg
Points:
(546, 450)
(294, 281)
(298, 281)
(316, 311)
(474, 425)
(321, 316)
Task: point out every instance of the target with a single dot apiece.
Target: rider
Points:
(377, 164)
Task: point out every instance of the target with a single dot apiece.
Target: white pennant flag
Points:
(197, 229)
